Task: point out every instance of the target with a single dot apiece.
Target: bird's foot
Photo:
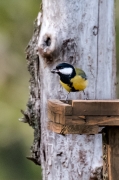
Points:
(66, 100)
(85, 98)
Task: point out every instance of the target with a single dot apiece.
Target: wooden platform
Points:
(82, 116)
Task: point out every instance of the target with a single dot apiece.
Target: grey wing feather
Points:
(81, 73)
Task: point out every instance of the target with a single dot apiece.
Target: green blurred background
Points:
(16, 28)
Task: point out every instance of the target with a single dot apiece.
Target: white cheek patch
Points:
(66, 71)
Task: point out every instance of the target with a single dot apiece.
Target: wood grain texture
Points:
(81, 34)
(58, 107)
(113, 151)
(84, 120)
(95, 107)
(57, 111)
(72, 129)
(93, 120)
(84, 112)
(106, 52)
(105, 145)
(58, 118)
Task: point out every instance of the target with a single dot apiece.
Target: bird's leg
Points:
(84, 92)
(66, 100)
(85, 95)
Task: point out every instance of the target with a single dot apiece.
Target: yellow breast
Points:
(65, 86)
(79, 83)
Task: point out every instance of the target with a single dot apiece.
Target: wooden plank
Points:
(103, 120)
(54, 127)
(72, 129)
(51, 116)
(93, 120)
(87, 120)
(113, 151)
(58, 118)
(95, 107)
(59, 107)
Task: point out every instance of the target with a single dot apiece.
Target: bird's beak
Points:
(54, 71)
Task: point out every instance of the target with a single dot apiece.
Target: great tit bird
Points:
(72, 79)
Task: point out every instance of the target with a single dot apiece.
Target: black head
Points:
(64, 69)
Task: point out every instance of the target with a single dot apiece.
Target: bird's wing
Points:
(81, 73)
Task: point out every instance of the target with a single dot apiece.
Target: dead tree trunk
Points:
(80, 32)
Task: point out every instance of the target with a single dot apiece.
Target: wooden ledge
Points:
(82, 116)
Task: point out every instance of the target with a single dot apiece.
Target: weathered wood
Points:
(88, 120)
(57, 111)
(106, 174)
(106, 69)
(58, 118)
(93, 120)
(85, 107)
(113, 152)
(95, 107)
(72, 129)
(78, 32)
(84, 112)
(58, 107)
(106, 51)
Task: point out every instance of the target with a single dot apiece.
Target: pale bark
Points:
(80, 32)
